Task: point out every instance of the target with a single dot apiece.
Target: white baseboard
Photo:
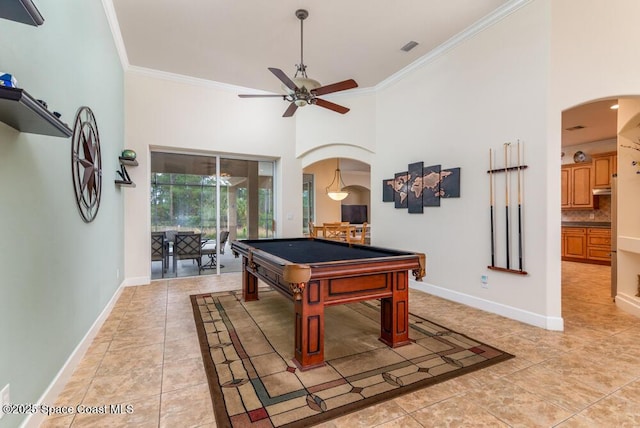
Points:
(548, 323)
(630, 304)
(62, 377)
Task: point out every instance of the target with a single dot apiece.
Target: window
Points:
(307, 202)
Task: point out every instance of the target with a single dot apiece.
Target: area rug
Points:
(247, 348)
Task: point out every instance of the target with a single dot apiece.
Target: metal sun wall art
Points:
(86, 164)
(421, 186)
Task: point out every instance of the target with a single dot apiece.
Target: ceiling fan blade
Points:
(291, 110)
(259, 96)
(331, 106)
(335, 87)
(284, 78)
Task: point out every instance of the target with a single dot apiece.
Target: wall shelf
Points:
(124, 175)
(21, 111)
(123, 183)
(23, 11)
(130, 162)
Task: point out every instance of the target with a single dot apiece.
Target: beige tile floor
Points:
(147, 355)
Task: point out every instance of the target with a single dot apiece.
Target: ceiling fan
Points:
(301, 90)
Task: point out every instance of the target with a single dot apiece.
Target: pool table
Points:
(316, 272)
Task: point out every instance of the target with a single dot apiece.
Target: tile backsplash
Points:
(603, 213)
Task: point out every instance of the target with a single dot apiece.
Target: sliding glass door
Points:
(247, 189)
(223, 199)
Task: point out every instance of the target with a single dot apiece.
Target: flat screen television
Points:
(355, 214)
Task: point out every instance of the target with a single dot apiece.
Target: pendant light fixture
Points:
(335, 190)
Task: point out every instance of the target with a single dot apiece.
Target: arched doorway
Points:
(598, 139)
(320, 208)
(589, 134)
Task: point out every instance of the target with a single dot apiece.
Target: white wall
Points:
(490, 89)
(168, 112)
(594, 56)
(58, 273)
(628, 187)
(508, 82)
(318, 128)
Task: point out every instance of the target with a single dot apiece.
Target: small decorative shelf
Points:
(21, 111)
(23, 11)
(124, 175)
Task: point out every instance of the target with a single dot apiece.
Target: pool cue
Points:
(492, 203)
(519, 209)
(506, 201)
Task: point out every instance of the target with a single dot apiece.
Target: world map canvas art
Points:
(421, 186)
(450, 183)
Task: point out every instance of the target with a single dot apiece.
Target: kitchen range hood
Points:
(598, 192)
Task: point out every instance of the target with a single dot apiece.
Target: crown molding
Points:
(196, 81)
(190, 80)
(479, 26)
(112, 19)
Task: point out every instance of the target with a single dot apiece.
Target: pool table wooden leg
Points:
(394, 312)
(309, 327)
(249, 283)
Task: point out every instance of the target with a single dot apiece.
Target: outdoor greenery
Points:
(307, 201)
(188, 202)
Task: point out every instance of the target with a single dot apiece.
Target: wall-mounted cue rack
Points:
(502, 226)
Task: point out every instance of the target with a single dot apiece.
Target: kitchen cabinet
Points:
(599, 244)
(576, 187)
(586, 244)
(574, 243)
(604, 165)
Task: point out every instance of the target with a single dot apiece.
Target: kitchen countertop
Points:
(600, 224)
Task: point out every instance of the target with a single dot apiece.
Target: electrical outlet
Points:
(117, 273)
(4, 399)
(484, 281)
(592, 216)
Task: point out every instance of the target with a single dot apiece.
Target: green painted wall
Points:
(57, 273)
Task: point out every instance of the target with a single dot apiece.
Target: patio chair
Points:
(187, 246)
(158, 246)
(209, 250)
(224, 237)
(170, 238)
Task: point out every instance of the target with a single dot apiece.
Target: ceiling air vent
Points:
(574, 128)
(409, 46)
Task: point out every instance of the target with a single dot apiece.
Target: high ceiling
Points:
(234, 41)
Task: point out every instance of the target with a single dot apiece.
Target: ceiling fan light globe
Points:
(300, 102)
(306, 84)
